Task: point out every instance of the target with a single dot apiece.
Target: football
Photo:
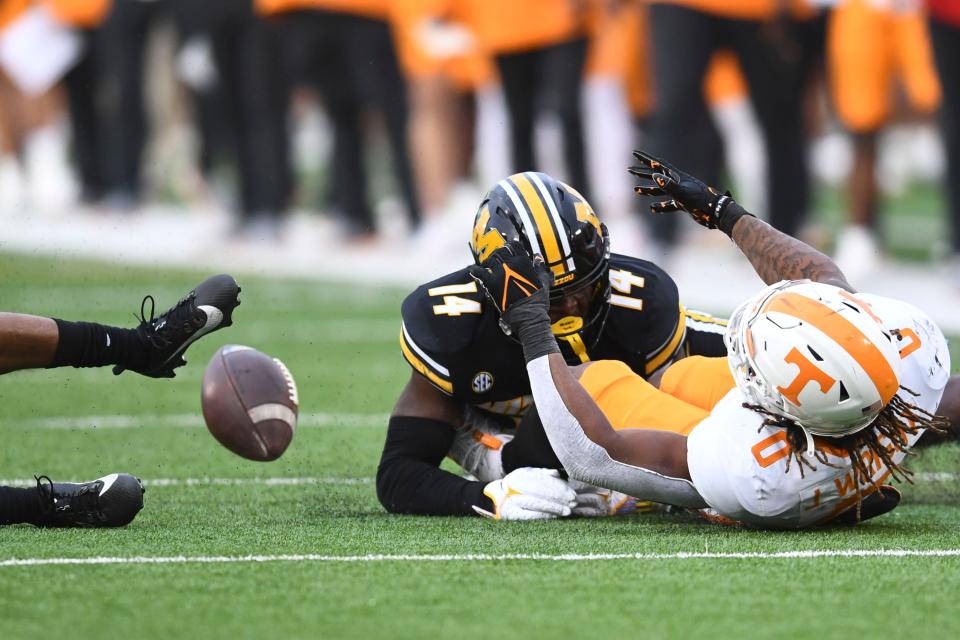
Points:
(250, 402)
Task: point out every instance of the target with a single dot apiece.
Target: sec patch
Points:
(482, 382)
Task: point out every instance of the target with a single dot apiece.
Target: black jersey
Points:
(452, 336)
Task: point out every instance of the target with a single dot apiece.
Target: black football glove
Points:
(706, 205)
(518, 287)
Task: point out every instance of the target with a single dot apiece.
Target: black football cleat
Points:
(208, 308)
(110, 501)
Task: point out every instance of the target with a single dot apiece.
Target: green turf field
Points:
(323, 516)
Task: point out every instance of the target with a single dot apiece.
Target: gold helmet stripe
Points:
(843, 332)
(544, 224)
(557, 223)
(528, 228)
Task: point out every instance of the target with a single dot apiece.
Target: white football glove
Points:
(595, 502)
(529, 493)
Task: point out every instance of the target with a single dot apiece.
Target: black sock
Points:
(530, 447)
(87, 344)
(19, 505)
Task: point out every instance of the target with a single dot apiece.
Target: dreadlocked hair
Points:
(876, 444)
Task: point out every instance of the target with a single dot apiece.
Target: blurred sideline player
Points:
(345, 49)
(621, 48)
(122, 59)
(240, 108)
(872, 45)
(945, 36)
(765, 37)
(154, 349)
(468, 383)
(81, 83)
(444, 66)
(825, 392)
(30, 145)
(540, 48)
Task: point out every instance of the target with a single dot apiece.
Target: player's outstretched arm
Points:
(419, 434)
(643, 463)
(410, 480)
(774, 255)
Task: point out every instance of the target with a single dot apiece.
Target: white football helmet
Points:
(813, 353)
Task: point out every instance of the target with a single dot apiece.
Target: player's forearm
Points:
(409, 478)
(579, 403)
(776, 256)
(589, 448)
(413, 487)
(645, 448)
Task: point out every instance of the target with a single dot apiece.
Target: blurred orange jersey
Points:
(744, 9)
(609, 47)
(411, 19)
(80, 13)
(511, 26)
(379, 9)
(639, 81)
(724, 79)
(10, 10)
(872, 43)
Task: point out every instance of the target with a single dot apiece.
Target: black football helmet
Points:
(552, 219)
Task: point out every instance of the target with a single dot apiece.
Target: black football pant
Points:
(684, 41)
(549, 78)
(351, 60)
(82, 83)
(121, 47)
(946, 50)
(211, 115)
(253, 98)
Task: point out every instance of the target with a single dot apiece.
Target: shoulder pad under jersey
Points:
(645, 320)
(440, 319)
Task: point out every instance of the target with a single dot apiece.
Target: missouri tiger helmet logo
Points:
(484, 240)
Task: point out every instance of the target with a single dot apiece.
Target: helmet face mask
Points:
(551, 219)
(814, 354)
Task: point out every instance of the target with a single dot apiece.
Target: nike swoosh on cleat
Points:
(214, 318)
(108, 482)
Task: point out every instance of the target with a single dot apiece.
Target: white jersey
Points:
(740, 467)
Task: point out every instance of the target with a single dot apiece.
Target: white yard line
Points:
(472, 557)
(327, 480)
(936, 476)
(202, 482)
(183, 420)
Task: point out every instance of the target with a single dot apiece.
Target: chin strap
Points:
(811, 445)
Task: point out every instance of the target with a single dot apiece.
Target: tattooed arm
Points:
(776, 256)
